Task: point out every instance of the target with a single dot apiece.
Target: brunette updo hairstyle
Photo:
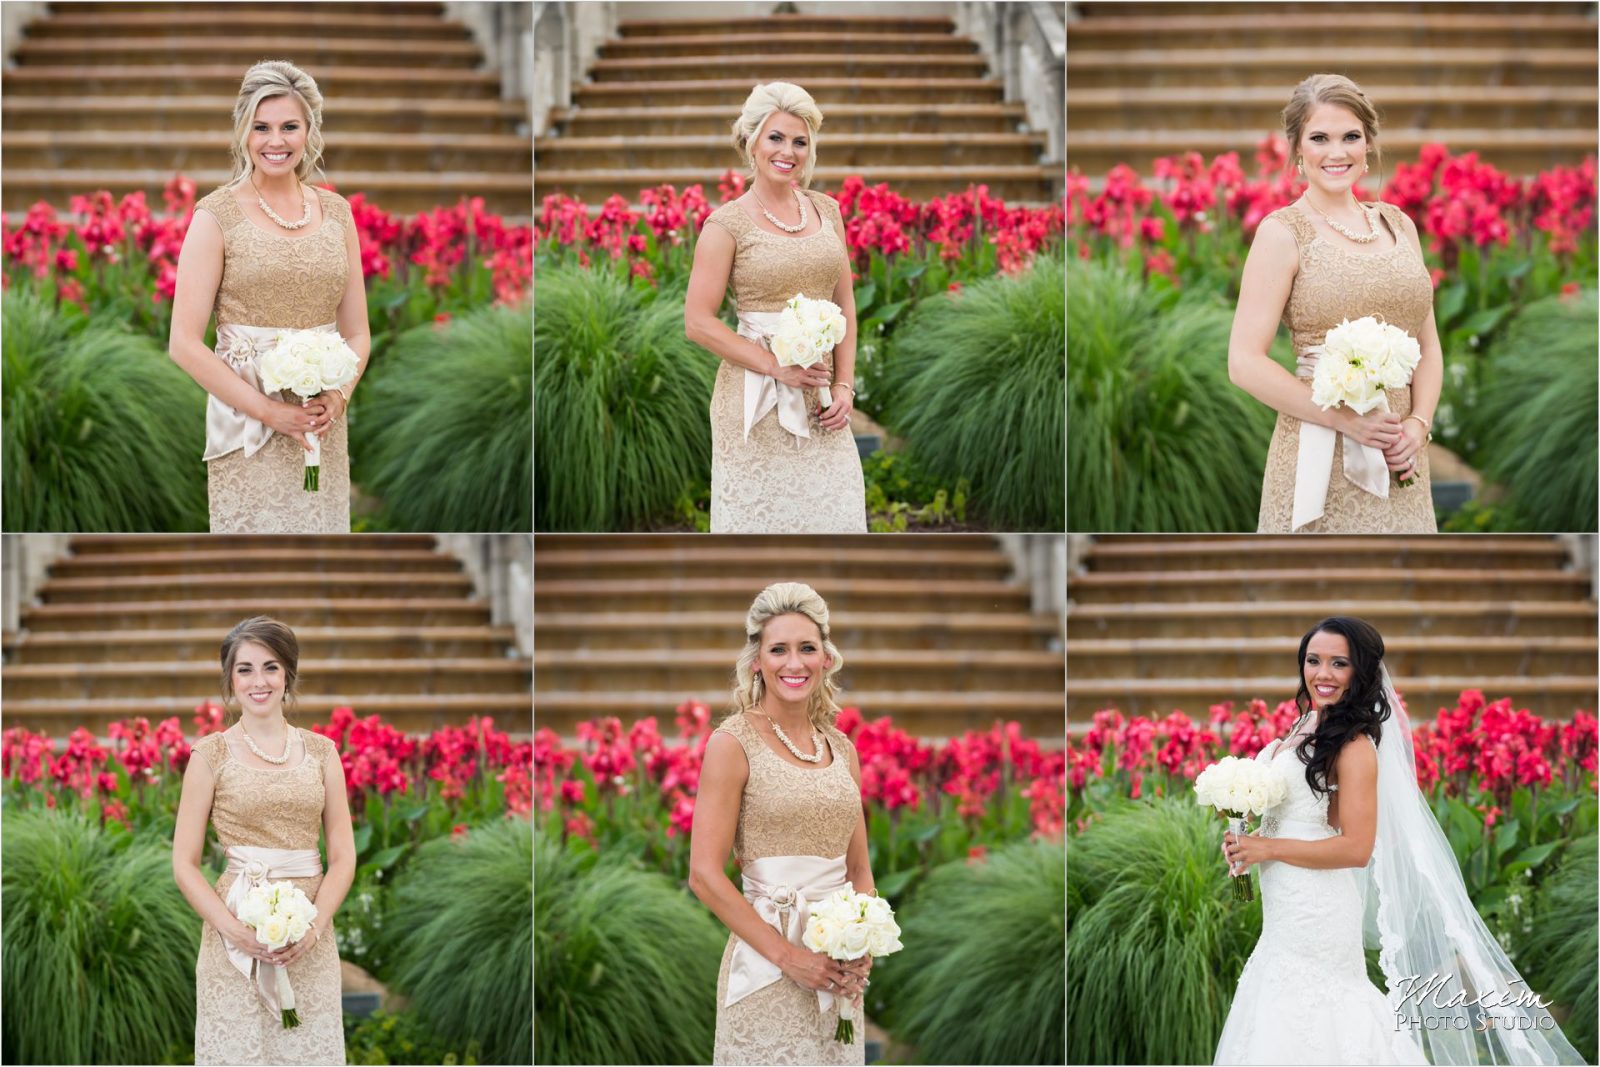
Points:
(786, 598)
(1362, 710)
(1333, 89)
(276, 638)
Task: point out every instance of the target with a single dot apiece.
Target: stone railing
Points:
(566, 37)
(25, 561)
(501, 569)
(1026, 46)
(1040, 561)
(505, 33)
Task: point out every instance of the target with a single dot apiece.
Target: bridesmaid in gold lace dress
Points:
(268, 252)
(781, 786)
(268, 789)
(1319, 261)
(780, 461)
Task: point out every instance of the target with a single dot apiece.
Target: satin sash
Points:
(1363, 464)
(762, 393)
(782, 890)
(255, 866)
(228, 429)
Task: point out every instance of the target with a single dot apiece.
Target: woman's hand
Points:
(837, 417)
(1244, 851)
(334, 402)
(295, 421)
(813, 970)
(860, 969)
(812, 377)
(241, 935)
(1402, 455)
(1379, 429)
(292, 952)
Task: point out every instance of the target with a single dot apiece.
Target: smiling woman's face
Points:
(1333, 146)
(782, 147)
(278, 135)
(792, 661)
(1328, 668)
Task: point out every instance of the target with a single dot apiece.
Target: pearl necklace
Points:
(1339, 228)
(784, 226)
(250, 743)
(816, 740)
(279, 219)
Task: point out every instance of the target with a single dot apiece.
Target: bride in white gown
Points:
(1356, 849)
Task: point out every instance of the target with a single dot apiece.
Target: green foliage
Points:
(974, 383)
(1559, 952)
(1533, 419)
(403, 1038)
(103, 432)
(460, 939)
(623, 399)
(980, 979)
(1153, 934)
(626, 962)
(99, 945)
(443, 435)
(901, 494)
(1159, 439)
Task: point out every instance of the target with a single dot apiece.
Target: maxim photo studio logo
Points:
(1428, 1004)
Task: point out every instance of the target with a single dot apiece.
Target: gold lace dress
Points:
(277, 808)
(1335, 283)
(777, 482)
(290, 282)
(787, 811)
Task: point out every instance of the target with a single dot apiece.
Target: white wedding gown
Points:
(1304, 996)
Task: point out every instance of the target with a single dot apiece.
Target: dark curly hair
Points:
(1362, 710)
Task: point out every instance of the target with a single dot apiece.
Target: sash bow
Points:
(763, 393)
(255, 866)
(229, 429)
(782, 890)
(1363, 465)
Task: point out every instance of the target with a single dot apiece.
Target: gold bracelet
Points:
(1427, 427)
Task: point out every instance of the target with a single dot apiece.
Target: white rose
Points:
(852, 943)
(307, 381)
(273, 931)
(883, 940)
(821, 931)
(298, 925)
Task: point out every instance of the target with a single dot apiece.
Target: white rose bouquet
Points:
(1358, 361)
(1240, 788)
(807, 331)
(281, 914)
(846, 926)
(306, 363)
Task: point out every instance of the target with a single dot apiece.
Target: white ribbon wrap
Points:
(782, 890)
(228, 429)
(763, 393)
(255, 866)
(1363, 464)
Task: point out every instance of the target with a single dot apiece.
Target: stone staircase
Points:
(121, 96)
(905, 101)
(128, 626)
(935, 631)
(1157, 624)
(1514, 82)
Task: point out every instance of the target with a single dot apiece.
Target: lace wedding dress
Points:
(1304, 996)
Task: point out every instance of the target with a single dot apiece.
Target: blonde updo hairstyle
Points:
(786, 598)
(1333, 89)
(278, 639)
(763, 102)
(276, 77)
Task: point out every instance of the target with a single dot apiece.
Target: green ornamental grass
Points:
(443, 435)
(103, 432)
(1154, 935)
(1158, 439)
(461, 935)
(623, 401)
(1561, 949)
(627, 962)
(974, 383)
(980, 979)
(99, 945)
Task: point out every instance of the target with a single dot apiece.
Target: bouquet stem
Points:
(845, 1032)
(1242, 890)
(291, 1019)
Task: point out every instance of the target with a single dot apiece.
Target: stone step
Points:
(1553, 697)
(288, 604)
(1256, 109)
(168, 8)
(1269, 619)
(222, 79)
(1191, 67)
(567, 670)
(345, 559)
(716, 46)
(783, 26)
(1178, 553)
(729, 92)
(507, 194)
(1518, 151)
(1300, 583)
(1168, 9)
(734, 595)
(185, 150)
(209, 114)
(310, 52)
(1267, 28)
(1200, 657)
(859, 630)
(598, 546)
(306, 544)
(1016, 185)
(68, 20)
(927, 715)
(332, 642)
(802, 69)
(692, 121)
(198, 679)
(201, 586)
(410, 713)
(862, 151)
(741, 558)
